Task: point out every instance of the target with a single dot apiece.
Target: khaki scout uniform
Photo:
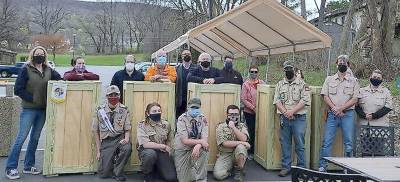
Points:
(228, 156)
(341, 91)
(187, 169)
(290, 94)
(110, 160)
(373, 100)
(161, 133)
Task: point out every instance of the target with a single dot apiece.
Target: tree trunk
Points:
(346, 28)
(321, 13)
(303, 9)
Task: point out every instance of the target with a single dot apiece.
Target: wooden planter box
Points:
(137, 94)
(70, 144)
(214, 101)
(319, 115)
(267, 145)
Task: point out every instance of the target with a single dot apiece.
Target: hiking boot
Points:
(284, 172)
(32, 170)
(12, 174)
(238, 175)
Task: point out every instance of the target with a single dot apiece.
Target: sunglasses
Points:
(253, 71)
(195, 107)
(233, 114)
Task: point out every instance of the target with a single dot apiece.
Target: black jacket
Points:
(180, 82)
(198, 75)
(121, 76)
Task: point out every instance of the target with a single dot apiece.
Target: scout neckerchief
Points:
(106, 120)
(195, 133)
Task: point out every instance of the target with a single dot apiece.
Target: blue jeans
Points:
(29, 119)
(297, 129)
(347, 125)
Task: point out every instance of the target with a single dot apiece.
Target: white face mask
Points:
(130, 66)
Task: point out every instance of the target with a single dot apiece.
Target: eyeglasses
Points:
(194, 107)
(233, 114)
(253, 71)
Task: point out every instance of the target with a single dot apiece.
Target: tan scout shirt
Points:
(341, 91)
(224, 133)
(290, 94)
(157, 132)
(184, 128)
(373, 100)
(122, 121)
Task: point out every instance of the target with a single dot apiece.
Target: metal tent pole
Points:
(268, 62)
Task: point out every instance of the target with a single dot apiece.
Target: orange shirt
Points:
(168, 71)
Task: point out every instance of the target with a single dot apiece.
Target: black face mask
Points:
(375, 82)
(342, 68)
(289, 74)
(187, 58)
(155, 117)
(205, 64)
(38, 59)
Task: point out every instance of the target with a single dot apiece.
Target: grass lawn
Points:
(100, 60)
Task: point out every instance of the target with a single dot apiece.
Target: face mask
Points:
(228, 65)
(113, 100)
(194, 112)
(38, 59)
(130, 66)
(342, 68)
(155, 117)
(205, 64)
(187, 58)
(253, 75)
(375, 82)
(289, 74)
(80, 69)
(162, 60)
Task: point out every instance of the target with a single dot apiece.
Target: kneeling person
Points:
(112, 126)
(154, 145)
(232, 137)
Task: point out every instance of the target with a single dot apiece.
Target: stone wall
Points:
(9, 122)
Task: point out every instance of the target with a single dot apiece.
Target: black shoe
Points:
(148, 178)
(120, 178)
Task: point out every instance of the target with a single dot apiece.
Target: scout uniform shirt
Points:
(119, 117)
(341, 91)
(373, 100)
(151, 131)
(290, 94)
(224, 133)
(186, 127)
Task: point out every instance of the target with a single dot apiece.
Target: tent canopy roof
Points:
(255, 28)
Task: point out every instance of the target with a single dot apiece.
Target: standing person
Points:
(182, 71)
(154, 136)
(161, 71)
(79, 72)
(129, 73)
(112, 127)
(248, 98)
(340, 93)
(232, 137)
(205, 74)
(290, 100)
(375, 102)
(229, 74)
(191, 144)
(31, 87)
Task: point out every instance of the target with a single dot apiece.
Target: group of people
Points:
(183, 156)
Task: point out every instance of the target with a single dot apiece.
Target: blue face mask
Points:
(194, 112)
(162, 60)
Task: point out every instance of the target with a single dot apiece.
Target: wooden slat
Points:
(85, 142)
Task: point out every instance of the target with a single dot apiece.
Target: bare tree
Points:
(55, 42)
(48, 17)
(342, 49)
(8, 21)
(303, 9)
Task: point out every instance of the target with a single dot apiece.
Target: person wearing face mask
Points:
(31, 87)
(191, 144)
(375, 102)
(112, 127)
(232, 141)
(129, 73)
(205, 74)
(229, 74)
(291, 101)
(340, 92)
(182, 71)
(248, 97)
(154, 136)
(79, 72)
(161, 71)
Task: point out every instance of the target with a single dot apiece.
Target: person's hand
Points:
(206, 81)
(205, 145)
(246, 144)
(341, 114)
(98, 155)
(231, 124)
(368, 116)
(155, 77)
(212, 81)
(337, 110)
(164, 73)
(168, 149)
(196, 151)
(124, 141)
(289, 114)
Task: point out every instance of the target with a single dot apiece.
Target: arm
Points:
(73, 76)
(244, 98)
(150, 73)
(277, 100)
(231, 144)
(381, 112)
(97, 138)
(298, 107)
(114, 80)
(20, 86)
(360, 112)
(90, 76)
(192, 77)
(218, 77)
(241, 136)
(171, 74)
(55, 75)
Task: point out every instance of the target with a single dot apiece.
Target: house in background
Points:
(7, 57)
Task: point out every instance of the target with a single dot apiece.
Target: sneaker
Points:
(120, 178)
(238, 175)
(32, 170)
(284, 172)
(250, 157)
(321, 169)
(12, 174)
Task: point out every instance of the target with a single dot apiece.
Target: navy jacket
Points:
(198, 75)
(121, 76)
